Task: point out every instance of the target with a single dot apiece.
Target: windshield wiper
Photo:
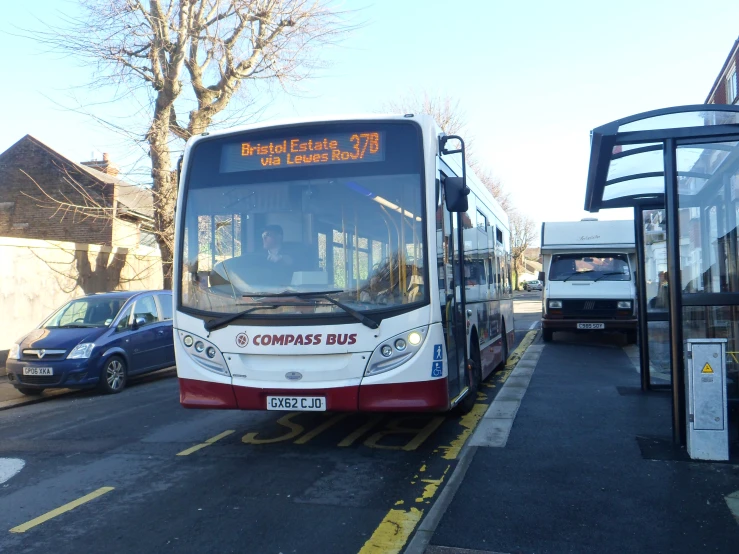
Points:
(576, 273)
(609, 273)
(214, 324)
(359, 316)
(322, 295)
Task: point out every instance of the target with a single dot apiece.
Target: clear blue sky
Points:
(533, 78)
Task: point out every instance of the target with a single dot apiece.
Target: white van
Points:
(588, 275)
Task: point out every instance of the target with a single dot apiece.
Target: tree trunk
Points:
(164, 187)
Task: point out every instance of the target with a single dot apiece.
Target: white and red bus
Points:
(337, 264)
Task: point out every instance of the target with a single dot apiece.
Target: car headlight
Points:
(204, 353)
(15, 352)
(395, 351)
(81, 351)
(555, 304)
(624, 305)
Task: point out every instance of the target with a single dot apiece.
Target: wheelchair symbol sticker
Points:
(436, 370)
(438, 354)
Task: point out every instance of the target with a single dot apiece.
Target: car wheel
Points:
(546, 335)
(29, 391)
(113, 376)
(631, 337)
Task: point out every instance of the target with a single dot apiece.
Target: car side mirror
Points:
(139, 322)
(541, 277)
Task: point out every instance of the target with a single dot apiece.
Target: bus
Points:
(348, 264)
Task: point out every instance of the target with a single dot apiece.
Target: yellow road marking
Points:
(469, 421)
(518, 352)
(204, 444)
(321, 428)
(59, 511)
(393, 532)
(349, 440)
(285, 421)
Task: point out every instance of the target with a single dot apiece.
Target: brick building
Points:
(39, 187)
(724, 89)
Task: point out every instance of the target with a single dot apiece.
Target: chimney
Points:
(104, 166)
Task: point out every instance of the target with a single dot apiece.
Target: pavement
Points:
(573, 457)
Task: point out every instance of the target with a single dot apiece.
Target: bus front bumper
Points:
(395, 397)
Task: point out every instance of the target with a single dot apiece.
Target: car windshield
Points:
(317, 209)
(86, 312)
(585, 267)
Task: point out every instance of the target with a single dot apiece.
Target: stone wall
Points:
(38, 276)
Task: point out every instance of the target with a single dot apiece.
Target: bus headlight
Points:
(623, 305)
(205, 354)
(395, 351)
(555, 304)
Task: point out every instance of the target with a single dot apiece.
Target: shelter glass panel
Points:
(700, 118)
(644, 186)
(708, 223)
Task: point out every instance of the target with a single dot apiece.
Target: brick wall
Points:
(26, 212)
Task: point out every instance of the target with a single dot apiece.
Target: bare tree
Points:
(196, 55)
(78, 203)
(450, 116)
(523, 233)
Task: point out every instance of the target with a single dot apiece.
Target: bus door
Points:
(451, 291)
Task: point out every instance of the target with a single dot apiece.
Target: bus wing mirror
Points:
(455, 193)
(541, 277)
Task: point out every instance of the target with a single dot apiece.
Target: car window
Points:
(165, 303)
(75, 313)
(147, 309)
(124, 324)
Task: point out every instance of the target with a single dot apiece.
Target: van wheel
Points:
(474, 373)
(29, 391)
(113, 376)
(631, 337)
(546, 335)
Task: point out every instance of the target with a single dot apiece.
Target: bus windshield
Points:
(331, 208)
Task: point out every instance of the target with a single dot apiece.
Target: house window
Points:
(148, 239)
(731, 87)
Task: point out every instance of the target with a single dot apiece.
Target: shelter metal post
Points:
(642, 299)
(675, 293)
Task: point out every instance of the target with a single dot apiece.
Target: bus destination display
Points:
(301, 151)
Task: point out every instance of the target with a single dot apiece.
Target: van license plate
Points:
(591, 325)
(298, 403)
(38, 371)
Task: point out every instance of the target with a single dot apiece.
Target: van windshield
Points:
(586, 267)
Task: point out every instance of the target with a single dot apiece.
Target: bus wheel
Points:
(631, 337)
(504, 339)
(474, 374)
(546, 335)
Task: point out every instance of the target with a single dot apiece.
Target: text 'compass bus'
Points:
(337, 265)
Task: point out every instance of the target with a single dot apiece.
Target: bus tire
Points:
(631, 337)
(504, 339)
(546, 335)
(475, 376)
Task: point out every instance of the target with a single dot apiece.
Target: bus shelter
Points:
(679, 170)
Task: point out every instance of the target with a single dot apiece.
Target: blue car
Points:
(97, 340)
